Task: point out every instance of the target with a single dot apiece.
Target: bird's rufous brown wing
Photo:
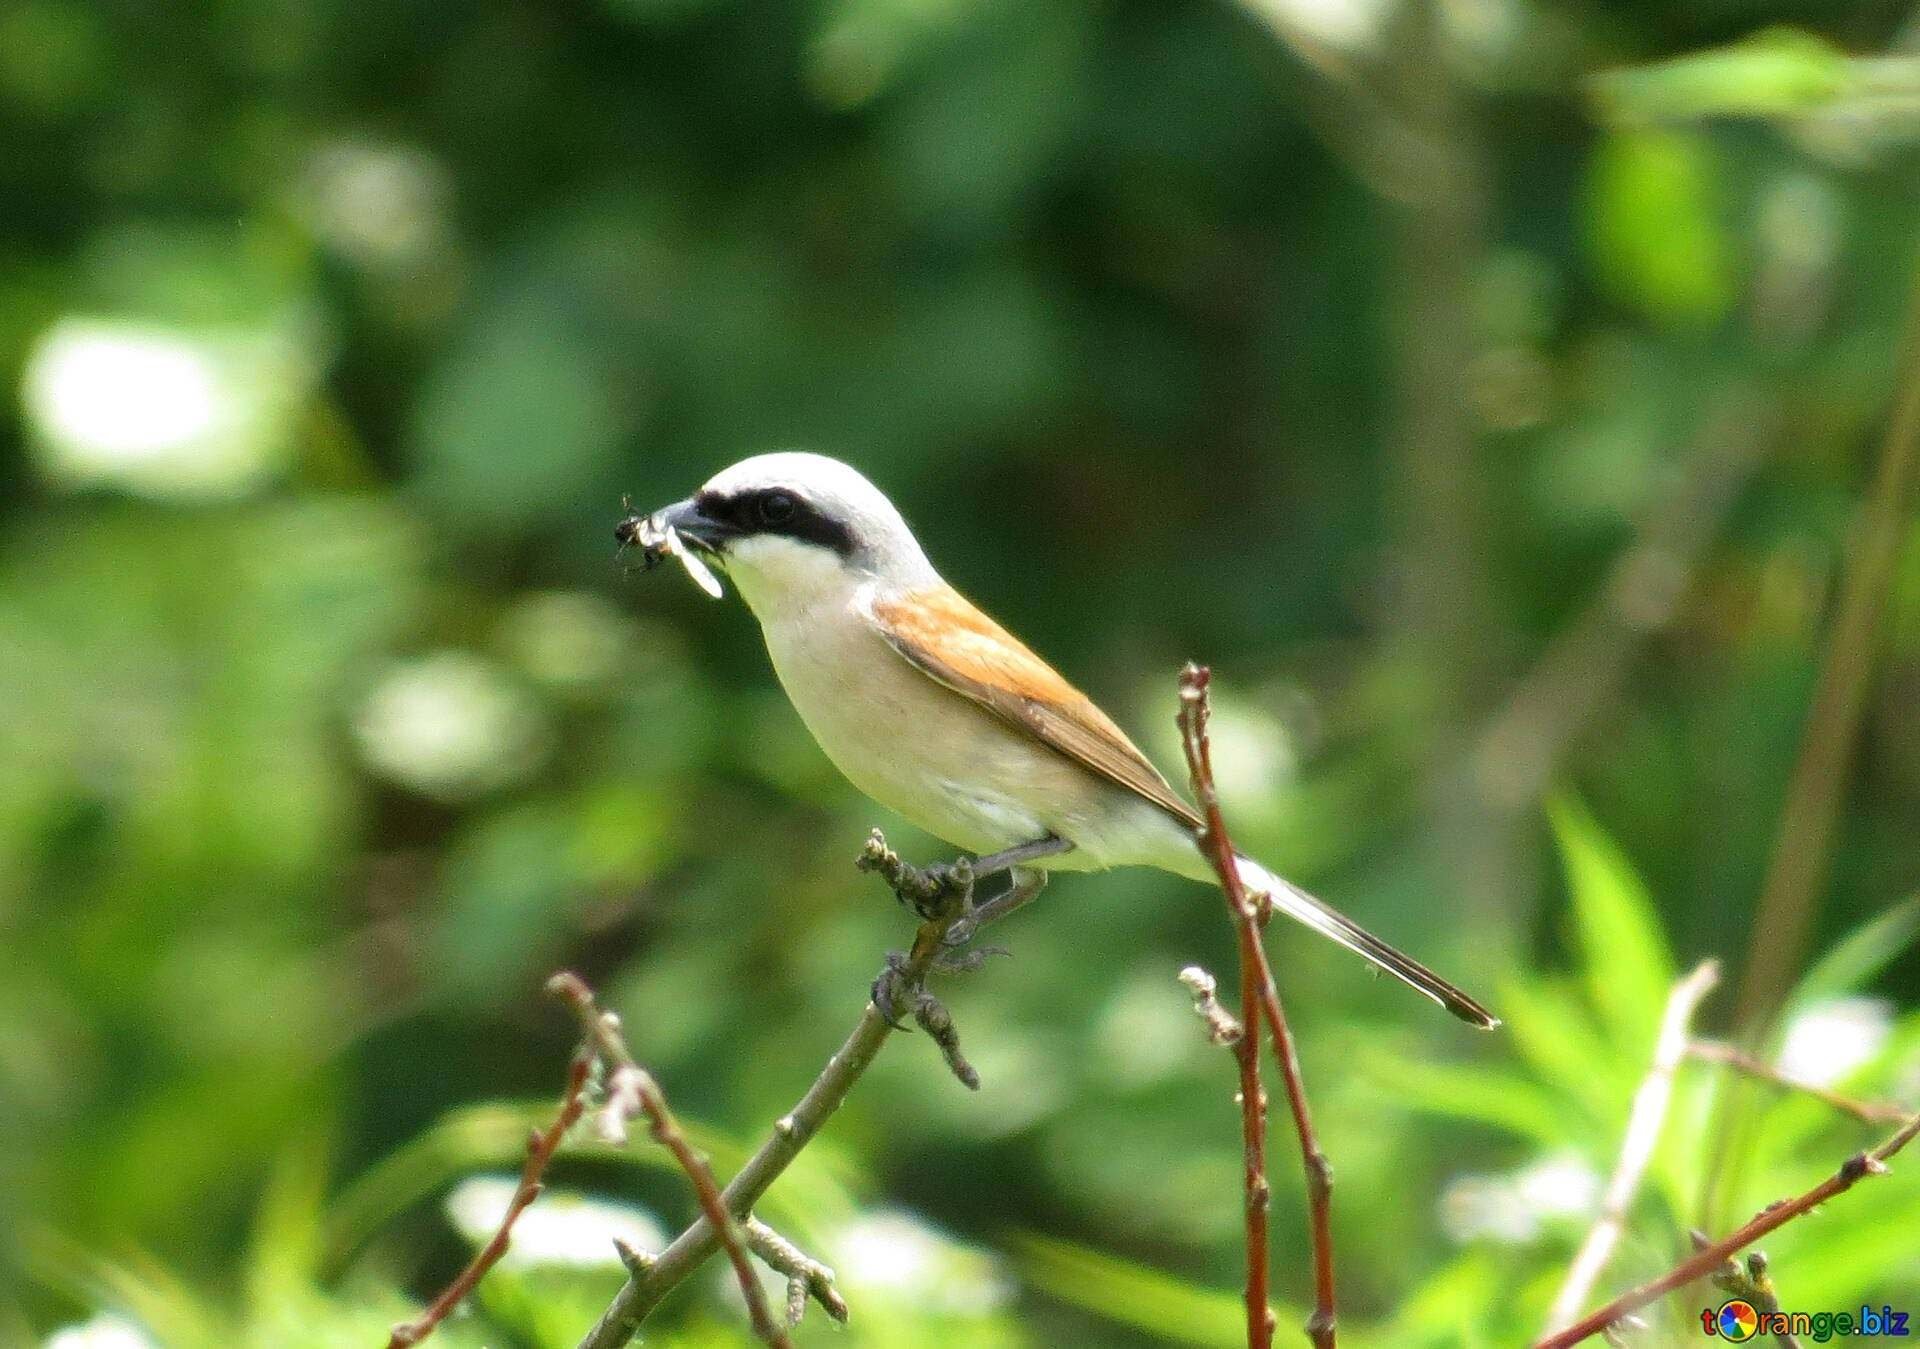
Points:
(941, 632)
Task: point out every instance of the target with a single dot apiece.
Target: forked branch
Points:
(1259, 1002)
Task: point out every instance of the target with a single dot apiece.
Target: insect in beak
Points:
(657, 537)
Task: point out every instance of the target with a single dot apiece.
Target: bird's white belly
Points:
(937, 757)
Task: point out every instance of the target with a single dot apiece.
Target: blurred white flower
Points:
(1346, 24)
(451, 725)
(561, 1228)
(890, 1252)
(1147, 1031)
(1254, 751)
(165, 411)
(567, 638)
(1829, 1040)
(1513, 1207)
(381, 205)
(102, 1332)
(1561, 1186)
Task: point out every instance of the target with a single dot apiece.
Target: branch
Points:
(540, 1149)
(1636, 1149)
(1738, 1059)
(1814, 793)
(1809, 815)
(1259, 1001)
(1714, 1257)
(647, 1285)
(632, 1091)
(1222, 1028)
(805, 1277)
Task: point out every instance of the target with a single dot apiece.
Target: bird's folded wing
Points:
(945, 636)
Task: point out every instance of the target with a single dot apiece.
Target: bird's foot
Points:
(1024, 887)
(896, 987)
(898, 990)
(938, 890)
(899, 987)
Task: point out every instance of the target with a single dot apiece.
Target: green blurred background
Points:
(1490, 391)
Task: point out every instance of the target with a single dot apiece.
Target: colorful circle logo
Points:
(1738, 1320)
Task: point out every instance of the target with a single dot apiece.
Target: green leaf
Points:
(1624, 955)
(1654, 230)
(1778, 72)
(1554, 1033)
(284, 1257)
(1460, 1091)
(135, 1285)
(1860, 955)
(1169, 1309)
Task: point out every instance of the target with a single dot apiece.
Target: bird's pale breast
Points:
(941, 760)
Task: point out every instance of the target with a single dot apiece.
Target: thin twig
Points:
(1713, 1257)
(1259, 1000)
(540, 1149)
(806, 1277)
(1222, 1028)
(630, 1088)
(1738, 1059)
(791, 1134)
(1791, 891)
(1644, 1123)
(1790, 894)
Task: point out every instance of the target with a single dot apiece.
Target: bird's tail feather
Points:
(1302, 907)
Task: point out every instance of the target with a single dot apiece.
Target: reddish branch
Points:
(1710, 1259)
(631, 1090)
(1259, 1001)
(540, 1149)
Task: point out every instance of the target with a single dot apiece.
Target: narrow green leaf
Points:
(1624, 954)
(1553, 1031)
(1462, 1091)
(1775, 73)
(1860, 955)
(1170, 1309)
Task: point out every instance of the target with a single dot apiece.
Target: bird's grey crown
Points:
(848, 506)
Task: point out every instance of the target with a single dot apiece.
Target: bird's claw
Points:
(937, 890)
(896, 991)
(893, 987)
(954, 961)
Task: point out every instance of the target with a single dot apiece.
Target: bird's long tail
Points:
(1297, 904)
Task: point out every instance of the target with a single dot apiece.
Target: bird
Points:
(937, 712)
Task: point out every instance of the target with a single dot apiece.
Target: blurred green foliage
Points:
(329, 725)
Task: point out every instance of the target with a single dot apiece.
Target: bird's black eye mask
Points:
(773, 511)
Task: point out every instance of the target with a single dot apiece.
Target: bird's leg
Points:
(942, 894)
(1025, 885)
(1009, 859)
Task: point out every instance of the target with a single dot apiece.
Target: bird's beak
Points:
(684, 518)
(694, 525)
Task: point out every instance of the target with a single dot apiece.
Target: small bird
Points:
(935, 711)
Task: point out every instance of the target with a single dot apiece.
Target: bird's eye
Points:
(777, 508)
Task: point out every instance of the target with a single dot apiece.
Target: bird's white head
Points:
(794, 530)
